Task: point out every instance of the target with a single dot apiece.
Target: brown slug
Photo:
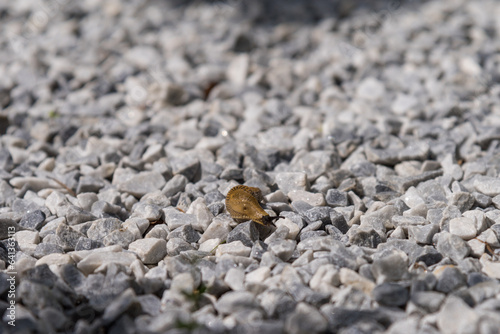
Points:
(242, 203)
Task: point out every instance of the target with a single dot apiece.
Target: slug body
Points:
(242, 203)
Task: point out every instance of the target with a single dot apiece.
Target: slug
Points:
(242, 203)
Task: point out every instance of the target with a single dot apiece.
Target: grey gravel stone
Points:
(246, 232)
(87, 244)
(428, 300)
(423, 234)
(176, 246)
(44, 249)
(370, 238)
(150, 304)
(336, 198)
(185, 232)
(450, 279)
(100, 228)
(481, 200)
(305, 319)
(187, 164)
(390, 266)
(33, 220)
(89, 184)
(175, 185)
(390, 294)
(68, 236)
(104, 209)
(462, 200)
(452, 246)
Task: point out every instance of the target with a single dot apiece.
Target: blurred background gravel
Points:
(372, 127)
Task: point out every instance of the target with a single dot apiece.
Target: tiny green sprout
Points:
(53, 114)
(189, 325)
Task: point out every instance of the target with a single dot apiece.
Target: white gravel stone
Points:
(490, 268)
(159, 231)
(183, 283)
(96, 259)
(55, 200)
(27, 240)
(470, 66)
(291, 181)
(55, 259)
(235, 301)
(370, 89)
(138, 269)
(132, 227)
(477, 247)
(51, 227)
(218, 229)
(479, 219)
(490, 237)
(80, 255)
(209, 245)
(314, 199)
(149, 250)
(351, 278)
(24, 264)
(233, 248)
(463, 227)
(27, 237)
(488, 185)
(456, 316)
(85, 200)
(304, 258)
(277, 196)
(293, 229)
(412, 198)
(235, 278)
(403, 103)
(282, 248)
(142, 183)
(238, 69)
(259, 275)
(175, 218)
(204, 217)
(325, 278)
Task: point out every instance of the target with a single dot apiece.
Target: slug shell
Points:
(242, 202)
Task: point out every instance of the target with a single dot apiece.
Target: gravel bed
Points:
(371, 128)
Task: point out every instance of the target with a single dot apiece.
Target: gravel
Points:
(371, 128)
